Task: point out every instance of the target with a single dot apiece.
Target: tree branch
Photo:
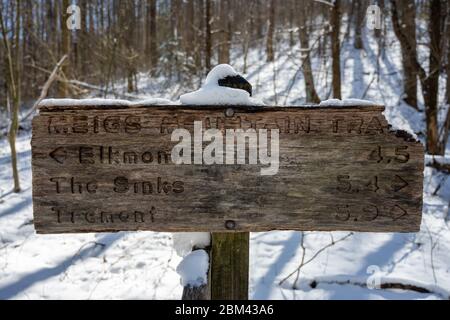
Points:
(46, 87)
(304, 263)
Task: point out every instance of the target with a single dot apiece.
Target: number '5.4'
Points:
(399, 155)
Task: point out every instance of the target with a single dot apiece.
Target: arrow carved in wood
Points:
(399, 183)
(397, 212)
(59, 155)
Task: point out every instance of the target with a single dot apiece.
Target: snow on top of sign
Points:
(346, 102)
(183, 242)
(193, 269)
(102, 102)
(213, 94)
(219, 72)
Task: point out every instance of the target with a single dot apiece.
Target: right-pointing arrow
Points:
(399, 183)
(59, 155)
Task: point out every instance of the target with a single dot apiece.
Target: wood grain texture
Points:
(108, 168)
(229, 266)
(196, 293)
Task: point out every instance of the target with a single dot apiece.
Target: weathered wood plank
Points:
(108, 168)
(196, 293)
(229, 266)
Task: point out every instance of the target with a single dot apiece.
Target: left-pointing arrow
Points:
(59, 155)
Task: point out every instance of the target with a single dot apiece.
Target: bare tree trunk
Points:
(311, 94)
(208, 42)
(199, 30)
(28, 50)
(153, 49)
(270, 31)
(259, 19)
(84, 42)
(407, 16)
(359, 7)
(127, 16)
(189, 41)
(224, 46)
(430, 81)
(65, 47)
(249, 26)
(444, 133)
(13, 84)
(447, 34)
(336, 48)
(431, 89)
(292, 3)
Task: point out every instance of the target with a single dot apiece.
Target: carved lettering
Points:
(355, 125)
(58, 125)
(73, 186)
(369, 212)
(106, 169)
(130, 157)
(132, 124)
(374, 126)
(80, 124)
(159, 186)
(104, 217)
(85, 155)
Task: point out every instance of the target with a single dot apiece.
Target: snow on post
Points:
(211, 93)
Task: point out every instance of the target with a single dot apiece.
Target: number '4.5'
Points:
(401, 155)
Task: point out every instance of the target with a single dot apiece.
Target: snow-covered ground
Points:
(337, 265)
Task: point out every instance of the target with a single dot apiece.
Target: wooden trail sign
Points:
(102, 168)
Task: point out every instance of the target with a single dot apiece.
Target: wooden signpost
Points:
(107, 168)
